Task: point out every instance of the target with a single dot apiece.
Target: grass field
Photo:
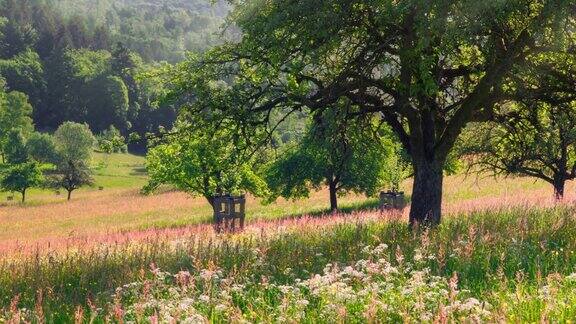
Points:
(505, 252)
(120, 207)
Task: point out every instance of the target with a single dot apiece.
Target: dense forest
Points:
(79, 60)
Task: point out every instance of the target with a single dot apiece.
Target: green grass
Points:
(111, 171)
(119, 170)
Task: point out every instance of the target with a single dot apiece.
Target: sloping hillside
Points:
(157, 29)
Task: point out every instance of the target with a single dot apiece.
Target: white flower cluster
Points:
(370, 289)
(373, 289)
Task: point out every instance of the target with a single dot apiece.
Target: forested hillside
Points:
(156, 29)
(79, 60)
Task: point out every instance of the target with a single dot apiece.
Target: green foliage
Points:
(87, 65)
(347, 155)
(15, 115)
(15, 149)
(109, 104)
(21, 177)
(535, 133)
(202, 163)
(74, 142)
(111, 141)
(69, 57)
(71, 175)
(42, 148)
(25, 73)
(134, 137)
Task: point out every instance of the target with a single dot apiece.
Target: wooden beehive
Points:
(392, 200)
(229, 213)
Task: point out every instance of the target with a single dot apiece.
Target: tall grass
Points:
(491, 252)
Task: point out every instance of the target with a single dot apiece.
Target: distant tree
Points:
(134, 137)
(345, 155)
(48, 20)
(202, 163)
(18, 113)
(108, 104)
(15, 114)
(25, 73)
(123, 60)
(42, 148)
(21, 177)
(74, 142)
(101, 39)
(124, 64)
(71, 175)
(17, 37)
(112, 141)
(75, 93)
(15, 148)
(78, 32)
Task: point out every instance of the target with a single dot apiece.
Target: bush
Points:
(42, 148)
(111, 141)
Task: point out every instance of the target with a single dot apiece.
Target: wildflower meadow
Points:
(513, 264)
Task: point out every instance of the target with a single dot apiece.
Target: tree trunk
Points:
(333, 196)
(69, 194)
(426, 207)
(559, 184)
(24, 196)
(216, 222)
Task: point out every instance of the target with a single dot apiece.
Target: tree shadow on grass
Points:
(370, 204)
(139, 171)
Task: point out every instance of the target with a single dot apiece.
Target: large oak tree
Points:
(426, 68)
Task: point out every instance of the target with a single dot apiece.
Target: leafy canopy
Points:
(202, 163)
(15, 116)
(74, 142)
(20, 177)
(345, 155)
(534, 134)
(71, 175)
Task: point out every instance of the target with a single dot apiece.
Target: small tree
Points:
(74, 141)
(345, 155)
(21, 177)
(15, 115)
(111, 141)
(71, 175)
(15, 148)
(201, 163)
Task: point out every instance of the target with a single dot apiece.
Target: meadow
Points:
(120, 208)
(505, 252)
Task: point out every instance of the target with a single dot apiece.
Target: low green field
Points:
(111, 171)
